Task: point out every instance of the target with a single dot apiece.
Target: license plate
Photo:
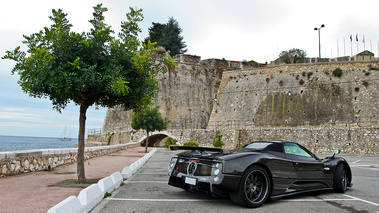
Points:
(191, 181)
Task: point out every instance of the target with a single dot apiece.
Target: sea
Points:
(17, 143)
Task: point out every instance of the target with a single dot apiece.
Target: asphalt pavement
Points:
(148, 191)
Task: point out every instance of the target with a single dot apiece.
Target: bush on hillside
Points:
(191, 143)
(170, 141)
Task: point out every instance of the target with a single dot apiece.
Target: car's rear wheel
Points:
(254, 188)
(340, 179)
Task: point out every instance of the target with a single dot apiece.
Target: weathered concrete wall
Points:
(295, 95)
(283, 101)
(18, 162)
(350, 140)
(185, 95)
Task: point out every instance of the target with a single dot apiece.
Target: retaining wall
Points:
(18, 162)
(350, 140)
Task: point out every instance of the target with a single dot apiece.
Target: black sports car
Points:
(258, 171)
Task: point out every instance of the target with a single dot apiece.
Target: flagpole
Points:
(351, 45)
(356, 38)
(338, 50)
(344, 47)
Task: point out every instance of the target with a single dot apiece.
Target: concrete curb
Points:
(106, 185)
(117, 179)
(70, 204)
(91, 196)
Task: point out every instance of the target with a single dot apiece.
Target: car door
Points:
(307, 165)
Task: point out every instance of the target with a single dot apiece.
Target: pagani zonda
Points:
(258, 171)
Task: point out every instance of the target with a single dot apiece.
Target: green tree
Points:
(148, 119)
(156, 33)
(88, 68)
(168, 36)
(293, 56)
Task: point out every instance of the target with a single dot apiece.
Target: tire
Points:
(340, 179)
(254, 188)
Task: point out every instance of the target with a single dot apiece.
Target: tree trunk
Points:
(147, 141)
(82, 130)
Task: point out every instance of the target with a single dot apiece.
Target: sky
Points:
(235, 30)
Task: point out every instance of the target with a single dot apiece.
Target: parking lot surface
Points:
(148, 191)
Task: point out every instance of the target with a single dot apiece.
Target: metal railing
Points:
(96, 131)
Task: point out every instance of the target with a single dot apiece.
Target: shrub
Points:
(338, 72)
(357, 89)
(365, 83)
(217, 141)
(367, 73)
(191, 143)
(170, 141)
(309, 74)
(107, 194)
(301, 82)
(372, 67)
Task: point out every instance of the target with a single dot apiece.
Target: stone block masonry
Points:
(18, 162)
(286, 101)
(350, 140)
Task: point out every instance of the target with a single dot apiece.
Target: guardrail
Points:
(94, 131)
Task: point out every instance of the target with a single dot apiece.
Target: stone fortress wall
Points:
(301, 94)
(306, 103)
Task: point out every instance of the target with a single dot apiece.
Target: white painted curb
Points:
(117, 179)
(90, 197)
(126, 172)
(133, 167)
(70, 204)
(106, 185)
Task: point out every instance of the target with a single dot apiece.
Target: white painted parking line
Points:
(366, 201)
(145, 181)
(315, 200)
(166, 200)
(368, 165)
(143, 173)
(356, 161)
(350, 198)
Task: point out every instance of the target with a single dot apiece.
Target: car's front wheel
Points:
(340, 179)
(254, 188)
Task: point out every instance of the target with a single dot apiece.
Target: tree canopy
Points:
(168, 36)
(148, 119)
(88, 68)
(293, 56)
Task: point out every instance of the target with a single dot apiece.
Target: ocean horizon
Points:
(19, 143)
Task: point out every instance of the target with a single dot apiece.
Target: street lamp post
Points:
(319, 43)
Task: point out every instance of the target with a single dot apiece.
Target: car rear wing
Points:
(200, 149)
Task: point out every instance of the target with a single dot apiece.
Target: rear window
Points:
(257, 145)
(276, 147)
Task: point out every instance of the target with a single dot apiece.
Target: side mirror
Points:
(336, 152)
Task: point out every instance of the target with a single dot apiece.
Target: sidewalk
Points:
(38, 191)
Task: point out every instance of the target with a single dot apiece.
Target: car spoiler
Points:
(200, 149)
